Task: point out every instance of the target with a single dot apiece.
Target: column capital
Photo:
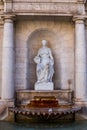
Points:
(79, 19)
(9, 18)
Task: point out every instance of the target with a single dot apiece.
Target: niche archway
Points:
(34, 43)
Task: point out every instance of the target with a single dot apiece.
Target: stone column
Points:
(80, 60)
(8, 59)
(1, 38)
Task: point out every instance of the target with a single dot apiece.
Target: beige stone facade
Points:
(28, 40)
(23, 25)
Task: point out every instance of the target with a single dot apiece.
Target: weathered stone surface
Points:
(60, 37)
(52, 8)
(27, 95)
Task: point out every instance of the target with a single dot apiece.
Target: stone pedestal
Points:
(80, 60)
(8, 59)
(63, 96)
(44, 86)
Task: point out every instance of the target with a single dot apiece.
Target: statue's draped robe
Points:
(45, 63)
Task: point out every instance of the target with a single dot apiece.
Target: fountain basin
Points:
(44, 105)
(46, 113)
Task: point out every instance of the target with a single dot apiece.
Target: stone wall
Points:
(60, 36)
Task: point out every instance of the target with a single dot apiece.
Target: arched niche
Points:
(34, 43)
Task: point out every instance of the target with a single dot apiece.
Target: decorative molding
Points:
(7, 1)
(81, 1)
(66, 8)
(8, 5)
(45, 1)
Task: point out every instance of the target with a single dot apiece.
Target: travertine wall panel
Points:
(60, 36)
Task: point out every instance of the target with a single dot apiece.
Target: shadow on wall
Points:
(34, 43)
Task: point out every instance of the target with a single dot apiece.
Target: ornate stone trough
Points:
(46, 113)
(45, 107)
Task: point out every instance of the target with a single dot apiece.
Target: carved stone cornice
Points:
(7, 1)
(44, 6)
(50, 1)
(7, 5)
(46, 1)
(50, 8)
(81, 1)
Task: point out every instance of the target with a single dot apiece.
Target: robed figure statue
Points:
(45, 68)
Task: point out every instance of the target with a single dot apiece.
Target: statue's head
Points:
(44, 42)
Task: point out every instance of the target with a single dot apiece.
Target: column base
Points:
(82, 115)
(8, 102)
(80, 101)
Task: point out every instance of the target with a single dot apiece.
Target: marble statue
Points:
(44, 69)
